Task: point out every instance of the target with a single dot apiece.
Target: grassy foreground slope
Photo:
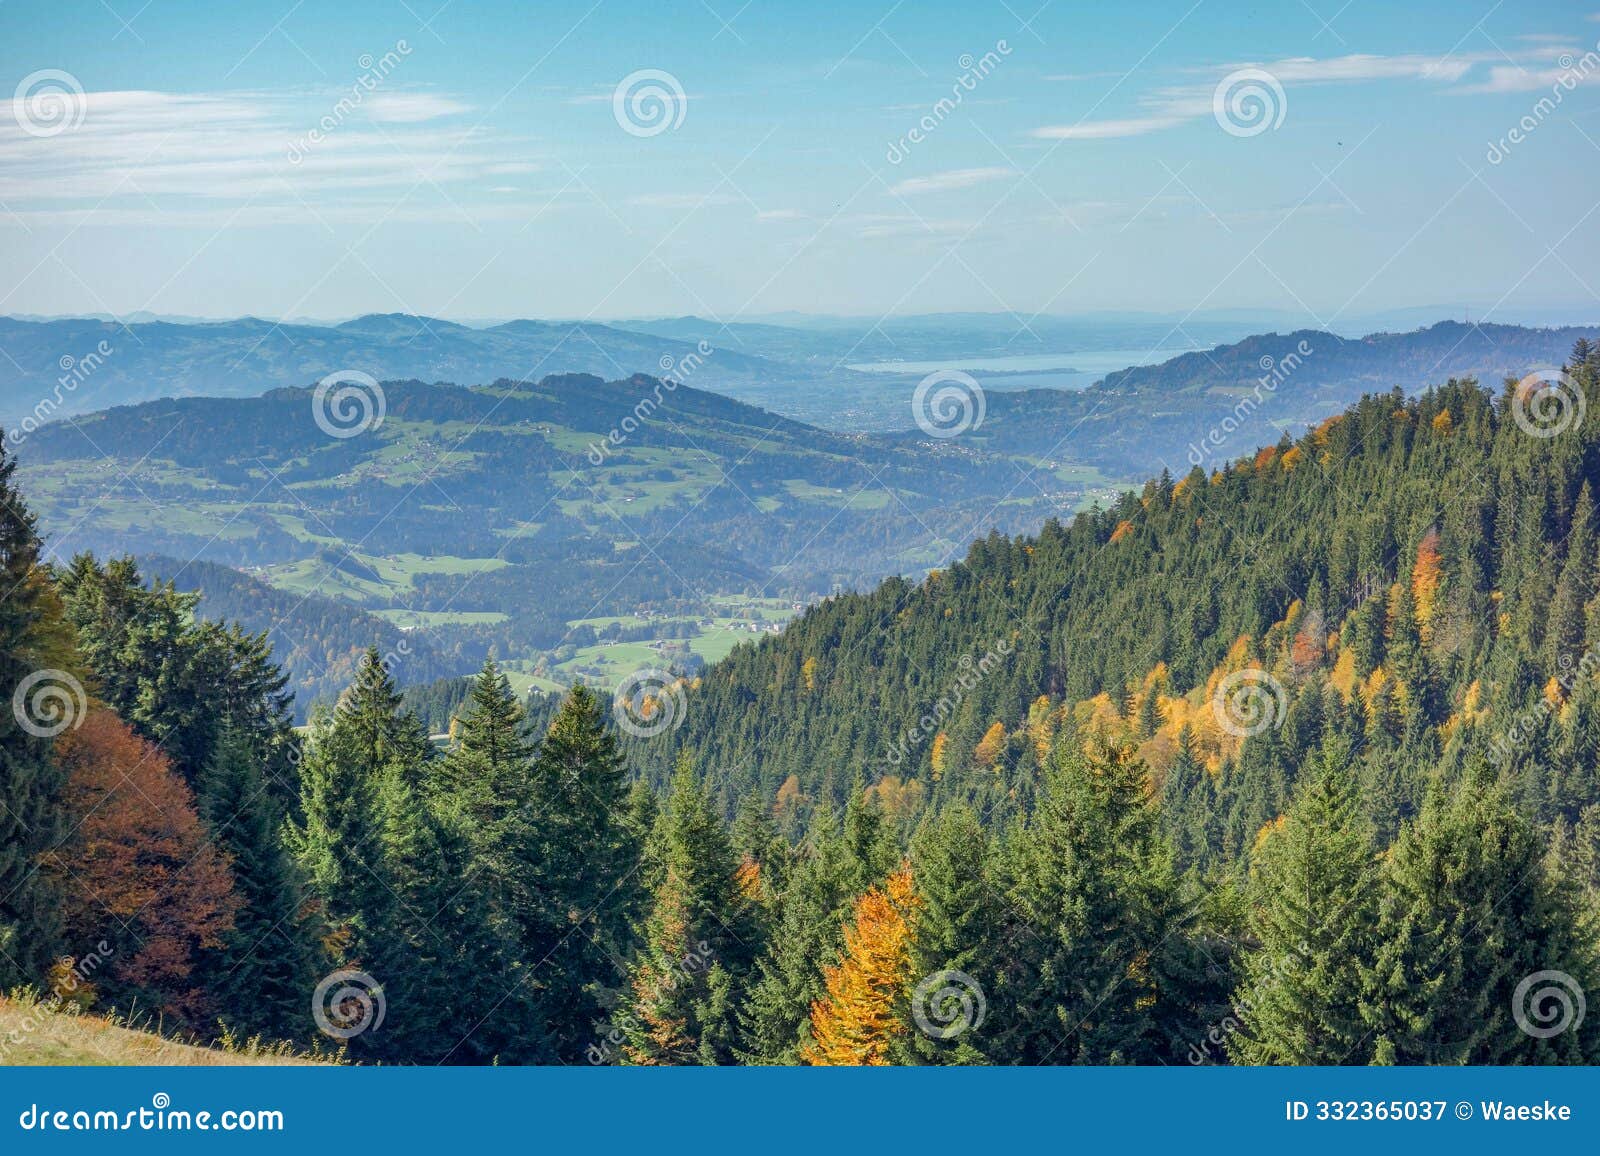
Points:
(33, 1035)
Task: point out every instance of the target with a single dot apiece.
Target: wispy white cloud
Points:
(1108, 129)
(412, 107)
(953, 179)
(151, 152)
(1174, 105)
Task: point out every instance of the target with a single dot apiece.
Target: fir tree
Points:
(1096, 901)
(1314, 897)
(339, 844)
(958, 911)
(269, 961)
(32, 812)
(805, 938)
(1468, 913)
(699, 939)
(590, 858)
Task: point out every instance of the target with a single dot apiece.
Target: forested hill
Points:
(318, 641)
(1178, 412)
(1411, 360)
(1418, 573)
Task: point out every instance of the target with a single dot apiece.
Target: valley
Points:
(582, 528)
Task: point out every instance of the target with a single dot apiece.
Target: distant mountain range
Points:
(536, 518)
(64, 364)
(60, 367)
(1203, 408)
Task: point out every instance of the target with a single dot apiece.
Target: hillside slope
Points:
(1202, 408)
(243, 358)
(34, 1035)
(1418, 574)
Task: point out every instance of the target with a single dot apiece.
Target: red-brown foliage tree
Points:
(138, 869)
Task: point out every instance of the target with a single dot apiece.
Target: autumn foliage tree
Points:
(861, 1018)
(139, 869)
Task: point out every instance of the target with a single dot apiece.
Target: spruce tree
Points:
(1468, 913)
(952, 949)
(32, 812)
(590, 856)
(487, 777)
(455, 990)
(269, 961)
(1095, 902)
(807, 932)
(366, 740)
(1313, 892)
(698, 938)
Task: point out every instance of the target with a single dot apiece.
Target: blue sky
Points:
(215, 159)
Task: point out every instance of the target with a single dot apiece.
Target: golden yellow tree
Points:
(858, 1021)
(991, 746)
(1426, 575)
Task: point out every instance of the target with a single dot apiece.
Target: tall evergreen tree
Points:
(1468, 913)
(807, 932)
(269, 962)
(1312, 920)
(1095, 902)
(698, 939)
(339, 842)
(591, 854)
(958, 912)
(32, 813)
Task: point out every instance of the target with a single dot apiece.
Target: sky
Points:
(741, 158)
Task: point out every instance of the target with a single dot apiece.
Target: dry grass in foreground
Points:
(34, 1034)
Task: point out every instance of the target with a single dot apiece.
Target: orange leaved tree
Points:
(860, 1017)
(138, 870)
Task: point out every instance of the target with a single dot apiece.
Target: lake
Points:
(1076, 370)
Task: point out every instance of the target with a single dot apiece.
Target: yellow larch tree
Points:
(859, 1019)
(1425, 578)
(991, 746)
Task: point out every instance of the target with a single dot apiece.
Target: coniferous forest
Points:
(1291, 761)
